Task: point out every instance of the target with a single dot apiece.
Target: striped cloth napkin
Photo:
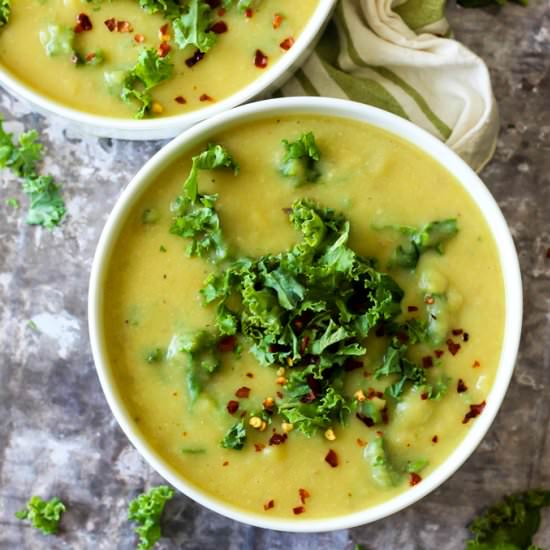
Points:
(396, 55)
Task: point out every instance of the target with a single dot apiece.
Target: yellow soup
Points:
(394, 412)
(84, 62)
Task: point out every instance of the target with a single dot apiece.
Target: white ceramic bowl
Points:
(168, 127)
(407, 131)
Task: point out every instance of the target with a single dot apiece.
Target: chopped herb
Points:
(162, 248)
(5, 11)
(235, 437)
(300, 161)
(146, 510)
(46, 205)
(194, 214)
(44, 515)
(32, 325)
(419, 240)
(193, 28)
(511, 524)
(416, 466)
(241, 5)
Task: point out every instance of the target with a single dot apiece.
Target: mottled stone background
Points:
(57, 436)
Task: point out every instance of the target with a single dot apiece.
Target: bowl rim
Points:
(407, 131)
(132, 128)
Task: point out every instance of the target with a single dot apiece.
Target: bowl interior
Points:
(405, 130)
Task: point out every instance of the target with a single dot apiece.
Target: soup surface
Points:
(391, 414)
(193, 59)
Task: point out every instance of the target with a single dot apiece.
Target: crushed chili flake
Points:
(194, 59)
(205, 97)
(332, 458)
(249, 12)
(243, 392)
(182, 101)
(475, 410)
(269, 504)
(83, 23)
(427, 362)
(279, 394)
(303, 494)
(260, 59)
(352, 364)
(139, 38)
(219, 27)
(90, 56)
(367, 420)
(465, 337)
(385, 415)
(226, 343)
(402, 337)
(457, 331)
(476, 364)
(461, 386)
(124, 26)
(298, 510)
(221, 12)
(110, 24)
(163, 31)
(429, 300)
(414, 479)
(435, 439)
(412, 308)
(453, 347)
(278, 439)
(226, 463)
(259, 447)
(379, 434)
(164, 49)
(424, 396)
(232, 406)
(250, 375)
(287, 43)
(277, 20)
(438, 353)
(360, 442)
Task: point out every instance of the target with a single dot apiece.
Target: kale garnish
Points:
(44, 515)
(301, 160)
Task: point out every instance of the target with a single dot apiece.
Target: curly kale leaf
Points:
(511, 524)
(235, 437)
(146, 510)
(301, 160)
(167, 8)
(44, 515)
(5, 12)
(194, 214)
(192, 28)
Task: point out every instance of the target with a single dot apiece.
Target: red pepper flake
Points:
(90, 57)
(453, 347)
(277, 20)
(367, 420)
(412, 308)
(164, 31)
(427, 362)
(287, 43)
(424, 396)
(475, 410)
(461, 386)
(298, 510)
(110, 24)
(385, 415)
(194, 59)
(243, 392)
(250, 375)
(457, 331)
(438, 353)
(139, 38)
(219, 27)
(124, 26)
(269, 504)
(260, 59)
(332, 458)
(259, 447)
(221, 12)
(414, 479)
(278, 439)
(182, 101)
(83, 23)
(248, 13)
(225, 343)
(303, 493)
(164, 49)
(435, 439)
(205, 97)
(429, 300)
(225, 463)
(232, 406)
(465, 337)
(360, 442)
(476, 364)
(352, 364)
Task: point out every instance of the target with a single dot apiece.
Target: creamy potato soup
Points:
(304, 316)
(126, 58)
